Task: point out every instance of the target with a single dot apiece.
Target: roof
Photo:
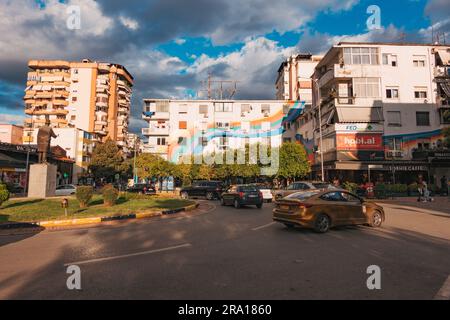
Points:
(405, 44)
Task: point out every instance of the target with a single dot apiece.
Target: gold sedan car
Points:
(322, 210)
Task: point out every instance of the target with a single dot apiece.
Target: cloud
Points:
(129, 23)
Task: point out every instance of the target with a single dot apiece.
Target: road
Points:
(224, 253)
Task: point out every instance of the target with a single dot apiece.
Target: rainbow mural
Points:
(191, 136)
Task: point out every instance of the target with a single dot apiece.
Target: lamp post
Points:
(27, 165)
(320, 130)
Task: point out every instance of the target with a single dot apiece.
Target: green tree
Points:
(446, 132)
(107, 160)
(293, 161)
(152, 166)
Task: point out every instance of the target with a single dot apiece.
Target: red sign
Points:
(359, 141)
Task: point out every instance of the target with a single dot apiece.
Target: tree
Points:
(446, 132)
(152, 166)
(293, 161)
(107, 160)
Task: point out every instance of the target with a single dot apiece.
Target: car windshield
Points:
(302, 196)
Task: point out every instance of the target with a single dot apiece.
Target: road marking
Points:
(264, 226)
(444, 293)
(186, 245)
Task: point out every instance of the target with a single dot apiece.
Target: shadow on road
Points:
(17, 235)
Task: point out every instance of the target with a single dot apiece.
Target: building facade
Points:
(382, 105)
(180, 128)
(91, 96)
(10, 133)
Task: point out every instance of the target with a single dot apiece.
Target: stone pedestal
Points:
(42, 181)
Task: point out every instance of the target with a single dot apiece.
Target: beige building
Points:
(10, 133)
(91, 96)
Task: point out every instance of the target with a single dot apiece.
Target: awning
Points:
(445, 56)
(360, 114)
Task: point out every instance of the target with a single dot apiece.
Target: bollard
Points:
(65, 205)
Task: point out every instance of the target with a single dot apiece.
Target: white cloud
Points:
(12, 119)
(129, 23)
(180, 41)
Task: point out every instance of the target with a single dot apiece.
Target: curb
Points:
(424, 210)
(97, 220)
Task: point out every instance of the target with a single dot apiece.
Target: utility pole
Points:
(320, 130)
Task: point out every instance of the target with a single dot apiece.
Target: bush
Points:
(397, 188)
(4, 194)
(351, 187)
(110, 195)
(84, 195)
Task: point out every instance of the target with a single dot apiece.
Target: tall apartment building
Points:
(384, 105)
(179, 128)
(294, 84)
(87, 95)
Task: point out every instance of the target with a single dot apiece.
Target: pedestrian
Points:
(420, 188)
(444, 186)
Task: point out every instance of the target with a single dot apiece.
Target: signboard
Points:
(359, 127)
(359, 141)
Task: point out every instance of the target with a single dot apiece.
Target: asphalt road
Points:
(224, 253)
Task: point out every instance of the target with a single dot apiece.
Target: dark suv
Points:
(209, 189)
(141, 188)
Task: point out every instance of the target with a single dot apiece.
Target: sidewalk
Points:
(440, 204)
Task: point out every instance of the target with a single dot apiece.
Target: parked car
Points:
(301, 186)
(66, 190)
(242, 195)
(208, 189)
(322, 210)
(141, 188)
(266, 192)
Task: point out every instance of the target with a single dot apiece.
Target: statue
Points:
(44, 137)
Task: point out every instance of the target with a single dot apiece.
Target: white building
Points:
(78, 145)
(381, 103)
(178, 128)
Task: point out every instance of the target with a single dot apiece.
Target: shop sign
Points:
(359, 127)
(406, 168)
(356, 141)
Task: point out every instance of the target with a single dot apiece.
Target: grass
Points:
(26, 210)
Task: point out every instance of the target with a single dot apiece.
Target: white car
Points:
(266, 192)
(66, 190)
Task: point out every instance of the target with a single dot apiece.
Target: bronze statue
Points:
(44, 137)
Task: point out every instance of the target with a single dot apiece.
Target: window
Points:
(223, 107)
(419, 61)
(74, 99)
(391, 93)
(366, 87)
(203, 141)
(75, 71)
(162, 106)
(265, 109)
(203, 109)
(420, 93)
(73, 118)
(350, 198)
(390, 60)
(182, 125)
(422, 118)
(161, 141)
(361, 56)
(395, 144)
(333, 196)
(246, 108)
(223, 125)
(183, 109)
(394, 118)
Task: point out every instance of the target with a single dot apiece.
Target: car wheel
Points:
(222, 202)
(376, 220)
(237, 205)
(209, 196)
(289, 226)
(322, 224)
(184, 195)
(259, 206)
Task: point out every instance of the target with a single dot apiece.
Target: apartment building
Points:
(180, 128)
(91, 96)
(383, 105)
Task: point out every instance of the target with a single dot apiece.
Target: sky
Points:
(169, 46)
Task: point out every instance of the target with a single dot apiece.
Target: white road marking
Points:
(444, 293)
(264, 226)
(186, 245)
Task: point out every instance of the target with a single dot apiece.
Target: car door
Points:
(333, 206)
(354, 208)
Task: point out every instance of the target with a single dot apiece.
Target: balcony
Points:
(349, 71)
(156, 115)
(442, 72)
(153, 131)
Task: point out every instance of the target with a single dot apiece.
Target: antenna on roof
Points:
(219, 89)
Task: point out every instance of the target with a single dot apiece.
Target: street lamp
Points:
(27, 165)
(320, 130)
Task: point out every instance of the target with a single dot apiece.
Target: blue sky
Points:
(169, 46)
